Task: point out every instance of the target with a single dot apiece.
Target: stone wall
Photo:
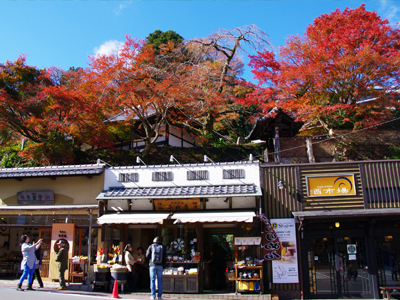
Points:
(348, 146)
(365, 145)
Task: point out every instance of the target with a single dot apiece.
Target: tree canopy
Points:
(158, 38)
(45, 107)
(342, 59)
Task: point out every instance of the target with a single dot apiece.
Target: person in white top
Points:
(130, 261)
(28, 261)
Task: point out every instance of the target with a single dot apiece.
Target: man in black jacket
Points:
(157, 257)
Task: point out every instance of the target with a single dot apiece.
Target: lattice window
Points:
(128, 177)
(197, 175)
(233, 174)
(162, 176)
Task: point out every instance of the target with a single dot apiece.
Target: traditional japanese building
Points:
(49, 203)
(347, 217)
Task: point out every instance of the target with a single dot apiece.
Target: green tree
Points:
(158, 38)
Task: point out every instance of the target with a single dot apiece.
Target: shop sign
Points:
(35, 197)
(177, 204)
(352, 249)
(285, 270)
(331, 185)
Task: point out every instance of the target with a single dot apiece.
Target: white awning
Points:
(239, 241)
(214, 217)
(126, 218)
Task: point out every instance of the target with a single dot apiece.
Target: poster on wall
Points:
(285, 270)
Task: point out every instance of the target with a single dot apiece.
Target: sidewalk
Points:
(78, 288)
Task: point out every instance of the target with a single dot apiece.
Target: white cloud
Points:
(108, 47)
(390, 10)
(121, 7)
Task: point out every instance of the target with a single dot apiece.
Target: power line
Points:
(336, 137)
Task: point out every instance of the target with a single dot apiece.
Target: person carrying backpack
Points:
(157, 258)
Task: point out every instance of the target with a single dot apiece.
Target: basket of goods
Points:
(119, 273)
(102, 273)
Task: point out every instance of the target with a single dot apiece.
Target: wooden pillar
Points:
(277, 147)
(310, 152)
(266, 153)
(200, 248)
(159, 231)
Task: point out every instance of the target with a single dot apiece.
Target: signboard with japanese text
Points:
(35, 197)
(331, 185)
(177, 204)
(285, 270)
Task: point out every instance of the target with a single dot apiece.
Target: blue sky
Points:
(64, 33)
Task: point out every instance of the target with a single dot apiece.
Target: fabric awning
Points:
(129, 218)
(47, 207)
(214, 217)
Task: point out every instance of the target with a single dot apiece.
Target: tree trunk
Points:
(208, 125)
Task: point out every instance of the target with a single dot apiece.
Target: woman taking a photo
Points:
(28, 261)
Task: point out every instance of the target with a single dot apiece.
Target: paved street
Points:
(79, 291)
(11, 293)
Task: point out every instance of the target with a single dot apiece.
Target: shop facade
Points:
(49, 203)
(348, 225)
(197, 209)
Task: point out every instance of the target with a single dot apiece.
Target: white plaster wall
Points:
(141, 204)
(118, 203)
(174, 141)
(178, 133)
(217, 203)
(243, 202)
(251, 169)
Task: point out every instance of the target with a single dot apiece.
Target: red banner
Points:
(271, 247)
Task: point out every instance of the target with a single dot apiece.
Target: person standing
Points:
(39, 256)
(140, 259)
(130, 262)
(28, 261)
(156, 256)
(62, 259)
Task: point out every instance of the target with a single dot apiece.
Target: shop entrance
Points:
(218, 257)
(338, 267)
(45, 234)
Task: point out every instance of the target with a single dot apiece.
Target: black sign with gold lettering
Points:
(177, 204)
(35, 197)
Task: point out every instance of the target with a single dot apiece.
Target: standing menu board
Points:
(285, 270)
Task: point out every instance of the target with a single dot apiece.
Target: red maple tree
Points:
(46, 107)
(343, 71)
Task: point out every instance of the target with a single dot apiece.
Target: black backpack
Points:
(157, 254)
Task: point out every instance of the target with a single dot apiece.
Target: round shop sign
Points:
(351, 249)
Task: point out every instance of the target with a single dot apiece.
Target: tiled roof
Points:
(52, 171)
(181, 191)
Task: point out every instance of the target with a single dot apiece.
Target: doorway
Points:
(45, 234)
(337, 267)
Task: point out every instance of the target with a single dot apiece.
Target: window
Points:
(197, 175)
(233, 174)
(128, 177)
(162, 176)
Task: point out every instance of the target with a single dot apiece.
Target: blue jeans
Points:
(27, 273)
(156, 271)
